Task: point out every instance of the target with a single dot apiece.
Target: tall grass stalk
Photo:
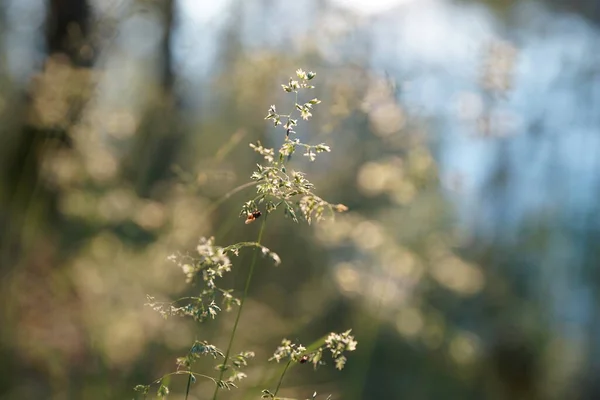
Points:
(277, 186)
(241, 307)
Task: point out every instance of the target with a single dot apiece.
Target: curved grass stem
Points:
(281, 378)
(227, 195)
(241, 307)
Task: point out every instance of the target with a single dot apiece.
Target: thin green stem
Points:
(187, 389)
(270, 381)
(183, 373)
(227, 195)
(241, 245)
(239, 313)
(190, 373)
(281, 378)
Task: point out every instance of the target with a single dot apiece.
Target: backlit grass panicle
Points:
(277, 186)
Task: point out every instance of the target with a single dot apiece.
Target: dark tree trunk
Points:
(67, 30)
(159, 136)
(27, 206)
(26, 143)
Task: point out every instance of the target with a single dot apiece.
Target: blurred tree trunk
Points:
(591, 370)
(159, 136)
(589, 9)
(67, 30)
(24, 144)
(28, 208)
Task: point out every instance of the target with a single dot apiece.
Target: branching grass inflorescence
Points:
(276, 186)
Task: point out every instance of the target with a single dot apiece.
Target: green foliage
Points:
(276, 186)
(144, 389)
(163, 391)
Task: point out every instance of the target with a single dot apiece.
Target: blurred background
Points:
(465, 138)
